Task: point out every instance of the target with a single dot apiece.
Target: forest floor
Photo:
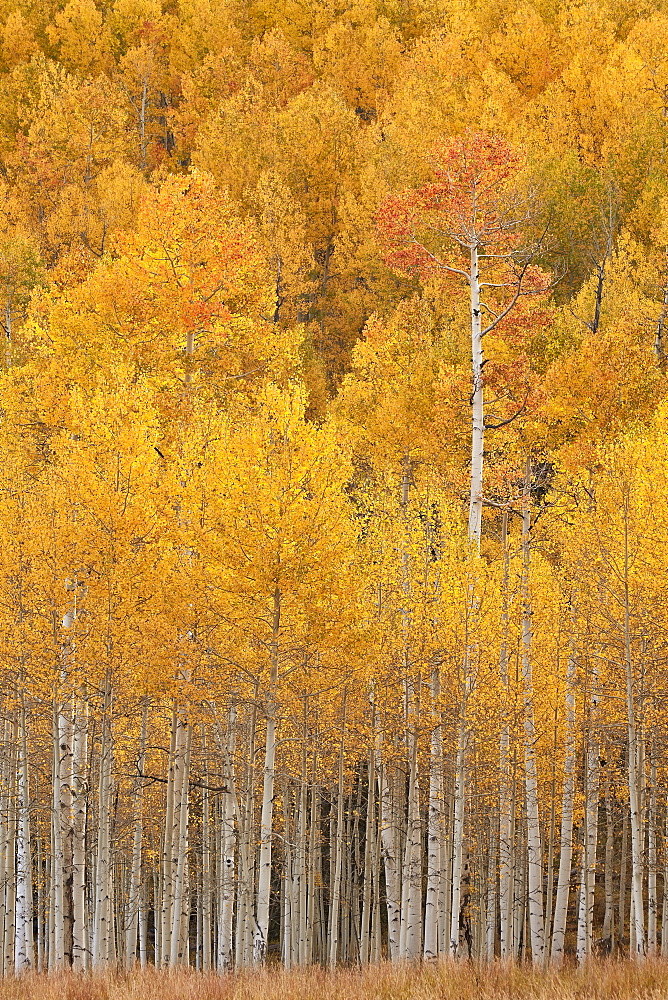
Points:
(445, 981)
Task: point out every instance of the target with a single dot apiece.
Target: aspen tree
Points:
(366, 946)
(567, 807)
(24, 947)
(433, 908)
(636, 860)
(590, 832)
(301, 858)
(534, 847)
(335, 905)
(505, 843)
(8, 847)
(411, 882)
(135, 888)
(266, 832)
(227, 853)
(608, 931)
(467, 209)
(652, 902)
(103, 947)
(80, 942)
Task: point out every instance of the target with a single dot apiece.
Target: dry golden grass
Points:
(445, 981)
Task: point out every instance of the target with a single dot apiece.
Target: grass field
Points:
(446, 981)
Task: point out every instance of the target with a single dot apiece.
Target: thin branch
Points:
(504, 423)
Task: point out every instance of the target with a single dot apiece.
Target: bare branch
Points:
(504, 423)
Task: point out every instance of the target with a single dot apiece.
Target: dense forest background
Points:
(334, 493)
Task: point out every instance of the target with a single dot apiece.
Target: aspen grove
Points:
(334, 492)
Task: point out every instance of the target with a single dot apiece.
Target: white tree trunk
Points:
(266, 821)
(566, 851)
(534, 850)
(302, 840)
(57, 936)
(433, 904)
(549, 901)
(9, 832)
(171, 816)
(590, 837)
(134, 891)
(181, 910)
(458, 826)
(505, 794)
(478, 420)
(103, 935)
(608, 935)
(335, 904)
(314, 862)
(227, 887)
(246, 824)
(388, 842)
(266, 834)
(621, 914)
(490, 931)
(24, 949)
(411, 883)
(652, 902)
(369, 851)
(205, 912)
(79, 791)
(638, 936)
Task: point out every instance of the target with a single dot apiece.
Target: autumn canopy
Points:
(334, 500)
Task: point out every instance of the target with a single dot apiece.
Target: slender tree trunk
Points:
(634, 801)
(388, 841)
(57, 935)
(167, 907)
(412, 873)
(302, 840)
(204, 912)
(433, 903)
(368, 855)
(505, 795)
(246, 887)
(490, 937)
(608, 935)
(622, 874)
(549, 902)
(478, 420)
(652, 902)
(458, 825)
(79, 794)
(24, 947)
(103, 937)
(520, 903)
(568, 794)
(338, 857)
(534, 850)
(132, 920)
(10, 844)
(41, 915)
(266, 822)
(446, 872)
(664, 911)
(288, 907)
(181, 911)
(590, 837)
(314, 862)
